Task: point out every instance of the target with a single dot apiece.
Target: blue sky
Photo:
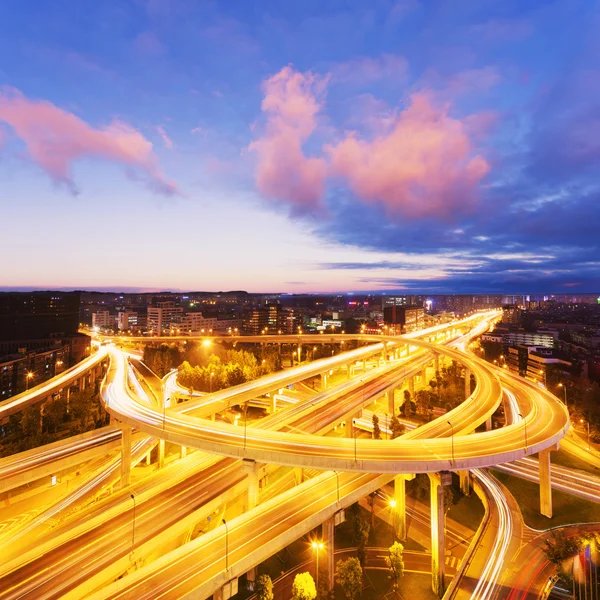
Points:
(301, 146)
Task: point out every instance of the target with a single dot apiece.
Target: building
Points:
(102, 319)
(162, 315)
(264, 319)
(28, 369)
(38, 315)
(546, 339)
(194, 323)
(404, 319)
(511, 314)
(231, 326)
(127, 321)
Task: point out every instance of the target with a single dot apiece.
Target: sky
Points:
(412, 145)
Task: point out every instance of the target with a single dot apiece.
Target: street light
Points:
(525, 423)
(452, 434)
(133, 526)
(226, 545)
(354, 435)
(588, 432)
(317, 546)
(28, 378)
(564, 387)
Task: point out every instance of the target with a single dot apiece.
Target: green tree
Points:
(349, 575)
(303, 587)
(31, 421)
(423, 401)
(376, 429)
(264, 588)
(359, 530)
(54, 415)
(395, 563)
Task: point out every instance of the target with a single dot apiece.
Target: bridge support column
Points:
(272, 403)
(467, 383)
(82, 383)
(545, 483)
(251, 469)
(411, 386)
(400, 509)
(298, 475)
(161, 454)
(227, 591)
(390, 401)
(349, 424)
(125, 455)
(424, 375)
(437, 363)
(329, 541)
(384, 353)
(183, 451)
(323, 381)
(437, 481)
(349, 371)
(407, 349)
(465, 482)
(488, 423)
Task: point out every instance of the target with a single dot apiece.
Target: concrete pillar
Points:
(349, 431)
(148, 457)
(437, 363)
(183, 451)
(251, 469)
(251, 578)
(125, 455)
(272, 403)
(467, 383)
(384, 354)
(161, 454)
(411, 387)
(465, 482)
(424, 375)
(81, 384)
(349, 371)
(323, 381)
(390, 401)
(437, 482)
(400, 508)
(488, 423)
(545, 483)
(329, 542)
(298, 475)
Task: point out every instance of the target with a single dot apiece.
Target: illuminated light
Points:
(393, 503)
(54, 480)
(206, 343)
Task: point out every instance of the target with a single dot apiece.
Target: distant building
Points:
(530, 338)
(127, 321)
(194, 323)
(264, 318)
(404, 319)
(511, 314)
(232, 326)
(103, 319)
(162, 315)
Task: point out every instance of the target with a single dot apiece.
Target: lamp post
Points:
(317, 546)
(133, 525)
(564, 387)
(226, 545)
(452, 437)
(354, 435)
(588, 431)
(525, 423)
(245, 421)
(28, 378)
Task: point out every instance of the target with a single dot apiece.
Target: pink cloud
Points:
(291, 103)
(167, 141)
(365, 69)
(423, 167)
(55, 139)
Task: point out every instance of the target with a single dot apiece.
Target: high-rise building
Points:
(404, 319)
(103, 319)
(162, 315)
(127, 320)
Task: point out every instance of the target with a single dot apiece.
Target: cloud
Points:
(365, 70)
(197, 130)
(147, 43)
(425, 166)
(168, 142)
(55, 139)
(291, 103)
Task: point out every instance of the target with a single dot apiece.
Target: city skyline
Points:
(407, 146)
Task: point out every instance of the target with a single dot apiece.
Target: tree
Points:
(406, 396)
(303, 587)
(360, 530)
(264, 588)
(423, 401)
(395, 563)
(448, 499)
(376, 430)
(560, 547)
(349, 575)
(396, 427)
